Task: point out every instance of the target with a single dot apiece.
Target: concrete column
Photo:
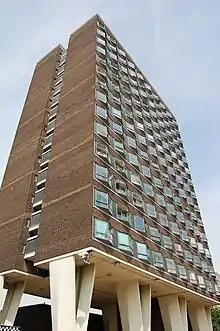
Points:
(63, 294)
(110, 317)
(1, 289)
(145, 292)
(170, 311)
(198, 317)
(183, 312)
(87, 275)
(130, 306)
(209, 318)
(11, 304)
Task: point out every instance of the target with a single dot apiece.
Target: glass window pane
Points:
(139, 223)
(101, 172)
(142, 251)
(101, 199)
(101, 112)
(101, 129)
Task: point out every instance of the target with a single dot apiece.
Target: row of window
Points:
(139, 223)
(121, 187)
(125, 243)
(157, 139)
(144, 145)
(44, 159)
(174, 200)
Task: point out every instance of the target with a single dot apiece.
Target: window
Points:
(192, 277)
(192, 242)
(31, 245)
(188, 255)
(51, 126)
(174, 228)
(178, 249)
(35, 219)
(100, 96)
(207, 253)
(116, 112)
(135, 179)
(123, 214)
(189, 225)
(133, 159)
(125, 242)
(101, 112)
(139, 223)
(42, 176)
(171, 209)
(180, 217)
(142, 251)
(101, 199)
(183, 235)
(131, 142)
(101, 172)
(163, 219)
(137, 200)
(168, 191)
(171, 266)
(48, 140)
(120, 166)
(118, 146)
(102, 230)
(154, 233)
(101, 129)
(167, 242)
(152, 150)
(141, 139)
(205, 267)
(151, 210)
(39, 195)
(101, 150)
(200, 247)
(158, 259)
(182, 272)
(117, 128)
(157, 182)
(196, 261)
(145, 171)
(148, 189)
(120, 187)
(160, 200)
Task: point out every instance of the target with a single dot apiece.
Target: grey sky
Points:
(175, 43)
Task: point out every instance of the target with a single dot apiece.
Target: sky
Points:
(174, 42)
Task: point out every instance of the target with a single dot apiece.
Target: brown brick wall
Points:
(18, 183)
(66, 216)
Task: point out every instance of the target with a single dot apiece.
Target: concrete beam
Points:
(11, 303)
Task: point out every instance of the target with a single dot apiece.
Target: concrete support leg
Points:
(209, 318)
(62, 292)
(110, 317)
(183, 312)
(1, 289)
(198, 318)
(171, 314)
(87, 275)
(11, 304)
(145, 292)
(130, 306)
